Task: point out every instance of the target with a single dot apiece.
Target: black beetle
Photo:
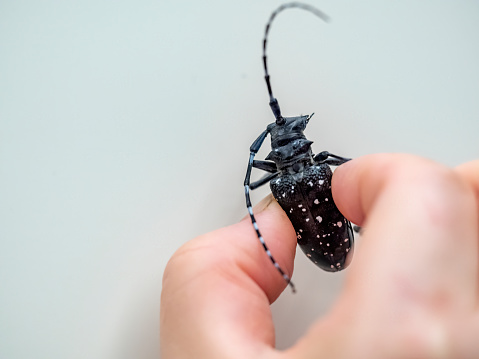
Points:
(301, 182)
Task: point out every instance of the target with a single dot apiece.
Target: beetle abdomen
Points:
(323, 233)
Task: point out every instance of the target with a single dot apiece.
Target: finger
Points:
(464, 334)
(465, 331)
(420, 212)
(416, 263)
(470, 172)
(217, 289)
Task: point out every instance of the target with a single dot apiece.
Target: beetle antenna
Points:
(273, 102)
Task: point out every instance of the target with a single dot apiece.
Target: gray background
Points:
(125, 127)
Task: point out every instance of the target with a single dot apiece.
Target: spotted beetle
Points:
(301, 182)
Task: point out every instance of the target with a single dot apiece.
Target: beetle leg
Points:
(263, 180)
(324, 157)
(267, 166)
(358, 229)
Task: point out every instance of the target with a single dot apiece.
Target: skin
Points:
(411, 289)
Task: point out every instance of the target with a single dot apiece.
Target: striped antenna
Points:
(273, 102)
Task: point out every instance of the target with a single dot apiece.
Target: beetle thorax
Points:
(291, 150)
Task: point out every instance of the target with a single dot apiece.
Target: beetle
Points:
(300, 182)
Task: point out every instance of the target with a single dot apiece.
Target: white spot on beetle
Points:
(317, 236)
(326, 199)
(338, 264)
(332, 266)
(312, 249)
(321, 182)
(284, 195)
(321, 243)
(292, 187)
(291, 210)
(340, 224)
(327, 244)
(301, 230)
(298, 236)
(304, 209)
(310, 183)
(346, 239)
(300, 205)
(347, 250)
(316, 201)
(308, 255)
(307, 219)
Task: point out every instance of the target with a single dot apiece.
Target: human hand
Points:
(411, 289)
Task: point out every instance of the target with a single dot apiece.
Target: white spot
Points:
(312, 249)
(331, 254)
(284, 195)
(321, 181)
(301, 230)
(346, 239)
(316, 201)
(300, 205)
(304, 210)
(250, 210)
(327, 244)
(298, 236)
(347, 250)
(340, 224)
(315, 262)
(292, 187)
(325, 253)
(310, 183)
(307, 219)
(292, 191)
(319, 219)
(332, 266)
(326, 199)
(317, 236)
(338, 264)
(321, 243)
(291, 210)
(324, 235)
(308, 255)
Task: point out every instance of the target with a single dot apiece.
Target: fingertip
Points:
(469, 171)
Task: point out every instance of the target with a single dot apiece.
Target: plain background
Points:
(125, 128)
